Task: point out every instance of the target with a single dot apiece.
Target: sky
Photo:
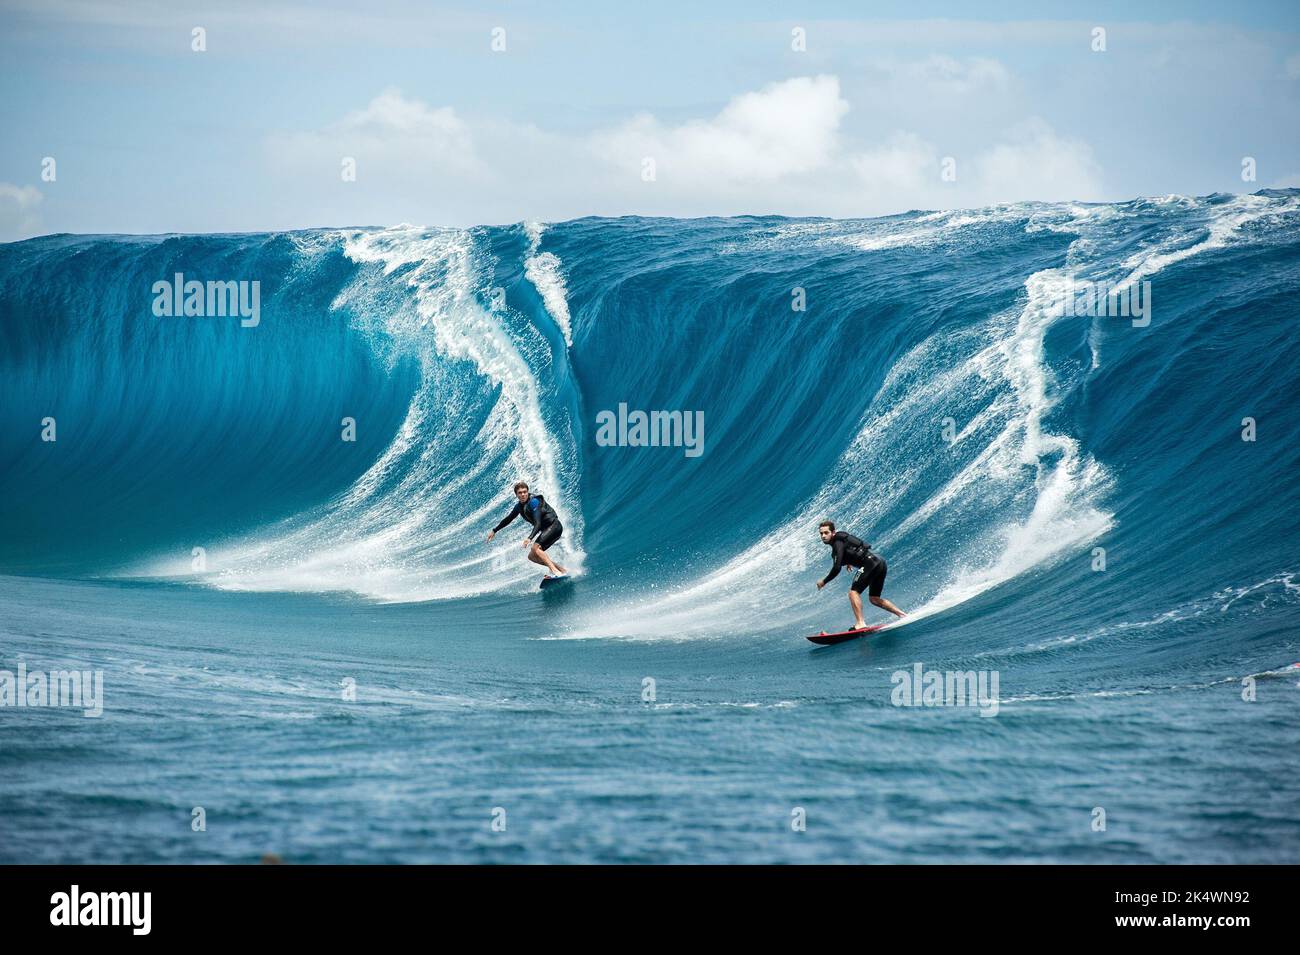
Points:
(486, 113)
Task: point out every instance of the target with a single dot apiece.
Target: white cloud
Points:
(904, 164)
(392, 133)
(779, 149)
(19, 218)
(1030, 161)
(945, 76)
(391, 113)
(1036, 163)
(784, 129)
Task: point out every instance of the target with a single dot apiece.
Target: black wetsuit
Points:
(535, 510)
(850, 550)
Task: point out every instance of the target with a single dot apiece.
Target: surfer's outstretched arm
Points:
(837, 550)
(514, 512)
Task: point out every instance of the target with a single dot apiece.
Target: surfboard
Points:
(827, 638)
(554, 581)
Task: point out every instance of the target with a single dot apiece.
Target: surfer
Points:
(850, 550)
(546, 526)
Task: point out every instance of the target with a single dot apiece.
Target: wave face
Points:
(933, 395)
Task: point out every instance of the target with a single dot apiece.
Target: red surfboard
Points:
(825, 638)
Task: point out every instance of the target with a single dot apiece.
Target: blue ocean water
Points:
(1065, 501)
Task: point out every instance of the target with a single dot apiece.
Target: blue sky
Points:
(251, 134)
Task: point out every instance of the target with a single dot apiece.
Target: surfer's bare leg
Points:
(883, 604)
(855, 598)
(538, 556)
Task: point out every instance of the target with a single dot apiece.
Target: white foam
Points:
(544, 271)
(927, 230)
(875, 235)
(1222, 229)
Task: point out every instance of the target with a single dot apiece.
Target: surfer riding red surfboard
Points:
(854, 552)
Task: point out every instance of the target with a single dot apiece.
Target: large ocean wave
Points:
(933, 396)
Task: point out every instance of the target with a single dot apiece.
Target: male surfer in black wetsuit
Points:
(546, 526)
(854, 552)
